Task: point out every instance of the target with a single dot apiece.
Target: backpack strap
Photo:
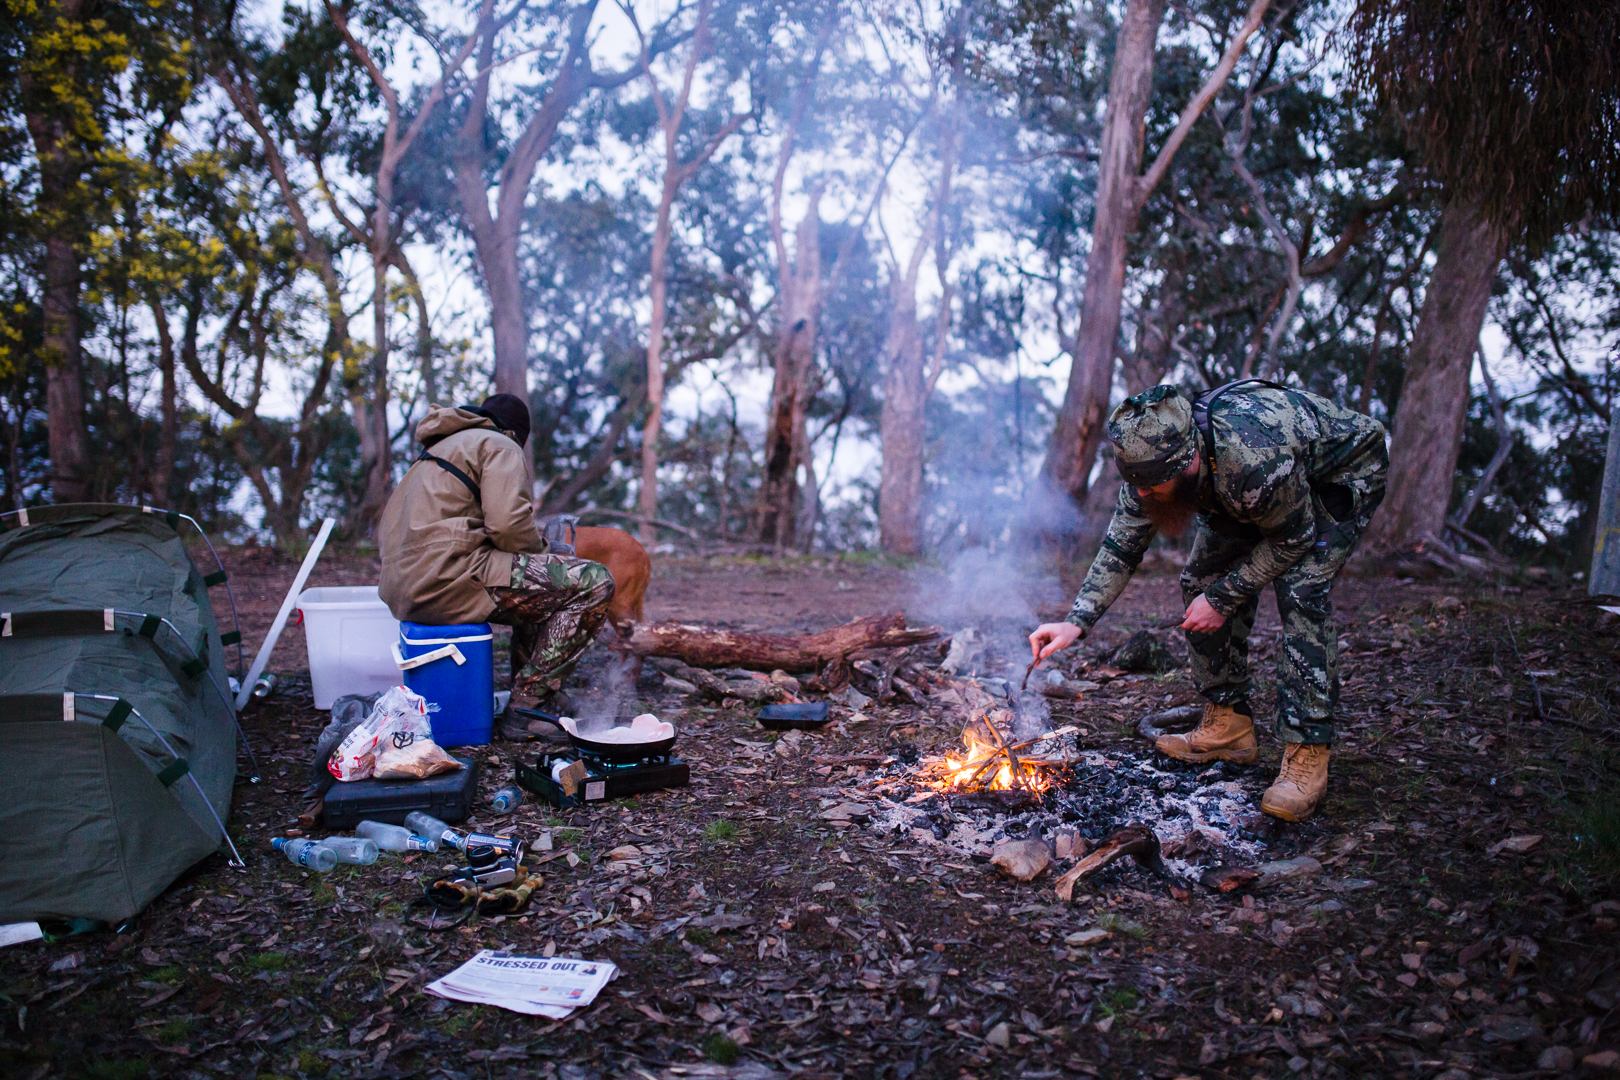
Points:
(1204, 404)
(477, 493)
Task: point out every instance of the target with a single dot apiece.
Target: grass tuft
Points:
(721, 1049)
(720, 831)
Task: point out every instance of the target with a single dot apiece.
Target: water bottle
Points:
(508, 799)
(353, 849)
(306, 853)
(431, 828)
(393, 837)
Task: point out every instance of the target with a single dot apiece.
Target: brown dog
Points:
(627, 561)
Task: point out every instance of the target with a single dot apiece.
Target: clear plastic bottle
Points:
(393, 837)
(306, 853)
(508, 799)
(353, 849)
(431, 828)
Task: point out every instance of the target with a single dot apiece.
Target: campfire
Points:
(991, 761)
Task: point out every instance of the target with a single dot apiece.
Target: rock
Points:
(785, 681)
(1607, 1061)
(1326, 907)
(1228, 878)
(1502, 1027)
(1021, 859)
(679, 686)
(624, 852)
(966, 648)
(1081, 938)
(1556, 1059)
(709, 1012)
(1297, 869)
(1000, 1035)
(1351, 884)
(1448, 603)
(1145, 654)
(1451, 979)
(1069, 844)
(847, 812)
(852, 698)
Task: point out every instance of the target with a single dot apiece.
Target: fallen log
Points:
(711, 647)
(1137, 841)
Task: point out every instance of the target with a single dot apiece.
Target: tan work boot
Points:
(1224, 734)
(1300, 784)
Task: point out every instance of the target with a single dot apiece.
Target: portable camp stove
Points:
(603, 780)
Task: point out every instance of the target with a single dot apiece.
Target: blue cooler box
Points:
(453, 667)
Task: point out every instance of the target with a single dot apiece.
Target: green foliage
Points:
(721, 1049)
(720, 831)
(1515, 105)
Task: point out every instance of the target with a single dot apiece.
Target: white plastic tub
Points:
(350, 635)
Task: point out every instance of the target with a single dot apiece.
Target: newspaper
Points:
(533, 985)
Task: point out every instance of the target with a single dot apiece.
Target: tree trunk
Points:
(67, 437)
(708, 647)
(655, 362)
(1433, 404)
(163, 473)
(785, 436)
(1078, 430)
(903, 431)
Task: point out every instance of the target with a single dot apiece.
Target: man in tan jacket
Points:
(459, 546)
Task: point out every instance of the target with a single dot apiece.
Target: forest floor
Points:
(774, 918)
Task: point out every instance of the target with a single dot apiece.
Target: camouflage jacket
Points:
(1272, 447)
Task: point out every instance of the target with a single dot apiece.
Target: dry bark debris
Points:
(1136, 841)
(847, 965)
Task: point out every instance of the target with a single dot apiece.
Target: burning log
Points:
(711, 647)
(1134, 840)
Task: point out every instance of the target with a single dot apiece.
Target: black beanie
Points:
(510, 413)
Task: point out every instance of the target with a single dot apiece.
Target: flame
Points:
(959, 773)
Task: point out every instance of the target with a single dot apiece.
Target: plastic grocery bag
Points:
(399, 719)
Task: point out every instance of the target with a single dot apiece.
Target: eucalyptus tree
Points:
(1515, 108)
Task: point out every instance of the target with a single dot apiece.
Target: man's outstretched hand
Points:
(1201, 618)
(1048, 638)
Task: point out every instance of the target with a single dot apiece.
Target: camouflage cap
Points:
(1153, 436)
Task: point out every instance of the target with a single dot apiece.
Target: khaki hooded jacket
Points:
(439, 546)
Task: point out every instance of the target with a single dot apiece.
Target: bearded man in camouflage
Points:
(1279, 485)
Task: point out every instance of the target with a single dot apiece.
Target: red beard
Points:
(1172, 513)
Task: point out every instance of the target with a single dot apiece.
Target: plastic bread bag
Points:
(416, 761)
(398, 720)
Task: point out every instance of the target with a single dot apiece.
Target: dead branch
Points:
(713, 647)
(1137, 841)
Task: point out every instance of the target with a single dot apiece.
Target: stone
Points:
(1069, 844)
(1091, 936)
(679, 686)
(1607, 1061)
(1297, 869)
(1556, 1059)
(1021, 859)
(1000, 1035)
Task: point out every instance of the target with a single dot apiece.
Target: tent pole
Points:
(281, 616)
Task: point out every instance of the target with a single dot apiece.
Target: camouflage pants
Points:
(1308, 662)
(555, 607)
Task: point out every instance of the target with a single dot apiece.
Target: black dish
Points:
(605, 751)
(804, 715)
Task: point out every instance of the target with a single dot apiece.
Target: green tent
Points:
(117, 733)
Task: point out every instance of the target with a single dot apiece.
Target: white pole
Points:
(281, 616)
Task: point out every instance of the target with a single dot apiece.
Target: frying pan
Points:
(616, 752)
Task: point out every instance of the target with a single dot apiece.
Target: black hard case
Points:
(448, 797)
